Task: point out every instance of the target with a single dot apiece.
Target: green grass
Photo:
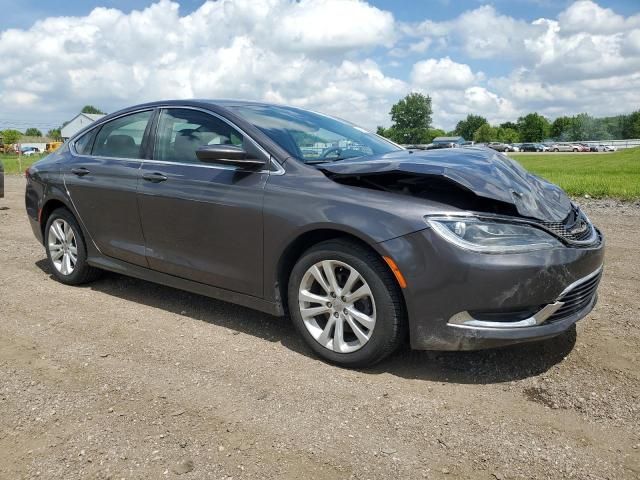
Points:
(613, 175)
(12, 164)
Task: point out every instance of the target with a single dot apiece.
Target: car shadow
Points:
(474, 367)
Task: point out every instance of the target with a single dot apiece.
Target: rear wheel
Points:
(66, 249)
(346, 304)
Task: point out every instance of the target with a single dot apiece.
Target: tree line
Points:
(11, 136)
(411, 118)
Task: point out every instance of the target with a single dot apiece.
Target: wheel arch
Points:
(300, 244)
(48, 208)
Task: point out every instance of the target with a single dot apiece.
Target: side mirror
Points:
(228, 155)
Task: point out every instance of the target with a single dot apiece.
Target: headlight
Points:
(489, 236)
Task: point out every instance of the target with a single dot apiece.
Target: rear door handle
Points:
(79, 171)
(155, 177)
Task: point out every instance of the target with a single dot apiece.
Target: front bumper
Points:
(462, 300)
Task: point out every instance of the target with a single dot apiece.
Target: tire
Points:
(61, 247)
(556, 150)
(575, 149)
(319, 328)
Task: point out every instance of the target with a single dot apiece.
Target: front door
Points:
(102, 180)
(202, 222)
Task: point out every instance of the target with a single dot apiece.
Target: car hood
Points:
(483, 171)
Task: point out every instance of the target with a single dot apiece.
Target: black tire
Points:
(556, 150)
(82, 271)
(390, 327)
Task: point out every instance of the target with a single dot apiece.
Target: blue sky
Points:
(350, 58)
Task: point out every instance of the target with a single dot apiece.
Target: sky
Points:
(349, 58)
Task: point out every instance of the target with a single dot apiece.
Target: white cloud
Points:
(442, 73)
(479, 33)
(588, 16)
(329, 55)
(281, 50)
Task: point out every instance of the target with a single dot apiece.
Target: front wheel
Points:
(346, 304)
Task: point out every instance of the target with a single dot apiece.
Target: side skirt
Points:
(142, 273)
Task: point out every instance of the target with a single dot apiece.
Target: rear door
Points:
(201, 221)
(102, 180)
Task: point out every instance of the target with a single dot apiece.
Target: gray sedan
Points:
(361, 242)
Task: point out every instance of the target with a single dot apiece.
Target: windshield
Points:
(313, 137)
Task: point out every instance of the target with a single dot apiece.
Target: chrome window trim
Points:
(277, 168)
(72, 142)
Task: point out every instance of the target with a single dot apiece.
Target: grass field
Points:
(12, 163)
(614, 175)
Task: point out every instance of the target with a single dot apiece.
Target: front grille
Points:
(576, 299)
(574, 228)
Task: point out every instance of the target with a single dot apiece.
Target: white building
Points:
(78, 123)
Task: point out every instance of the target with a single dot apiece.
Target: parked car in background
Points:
(30, 151)
(609, 148)
(438, 146)
(52, 147)
(363, 245)
(584, 147)
(566, 147)
(503, 147)
(498, 146)
(531, 147)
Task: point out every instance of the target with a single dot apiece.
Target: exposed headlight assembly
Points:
(491, 236)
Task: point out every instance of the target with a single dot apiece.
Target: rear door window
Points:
(122, 137)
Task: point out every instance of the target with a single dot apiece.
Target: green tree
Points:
(9, 136)
(510, 125)
(33, 132)
(533, 127)
(467, 128)
(507, 134)
(560, 128)
(435, 132)
(91, 109)
(634, 125)
(411, 118)
(484, 134)
(55, 134)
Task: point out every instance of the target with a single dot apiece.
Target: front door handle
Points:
(79, 171)
(155, 177)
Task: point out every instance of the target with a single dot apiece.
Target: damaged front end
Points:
(475, 180)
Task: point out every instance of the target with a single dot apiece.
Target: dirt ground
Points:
(127, 379)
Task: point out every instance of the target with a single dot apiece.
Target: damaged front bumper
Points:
(462, 300)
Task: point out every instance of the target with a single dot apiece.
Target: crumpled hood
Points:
(483, 171)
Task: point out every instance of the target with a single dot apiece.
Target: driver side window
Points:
(182, 131)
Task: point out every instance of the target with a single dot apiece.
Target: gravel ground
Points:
(127, 379)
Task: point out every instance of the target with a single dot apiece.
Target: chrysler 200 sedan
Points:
(360, 241)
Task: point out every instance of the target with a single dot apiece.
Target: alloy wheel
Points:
(63, 247)
(337, 306)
